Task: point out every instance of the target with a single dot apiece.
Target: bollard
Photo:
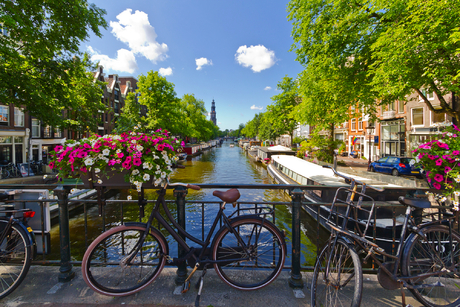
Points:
(180, 192)
(66, 271)
(295, 281)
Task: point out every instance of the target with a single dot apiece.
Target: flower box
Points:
(127, 160)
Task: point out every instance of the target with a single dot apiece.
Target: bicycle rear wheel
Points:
(104, 266)
(256, 263)
(437, 251)
(338, 276)
(15, 257)
(5, 173)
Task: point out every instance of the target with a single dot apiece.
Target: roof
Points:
(317, 173)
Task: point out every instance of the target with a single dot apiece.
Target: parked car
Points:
(395, 166)
(354, 154)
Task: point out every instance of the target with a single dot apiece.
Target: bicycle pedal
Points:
(185, 286)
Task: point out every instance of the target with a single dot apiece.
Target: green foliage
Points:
(320, 147)
(193, 121)
(252, 127)
(373, 52)
(42, 68)
(297, 140)
(130, 118)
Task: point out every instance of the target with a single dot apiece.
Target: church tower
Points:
(213, 112)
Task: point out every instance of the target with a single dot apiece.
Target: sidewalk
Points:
(41, 287)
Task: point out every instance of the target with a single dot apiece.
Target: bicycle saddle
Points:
(229, 196)
(415, 202)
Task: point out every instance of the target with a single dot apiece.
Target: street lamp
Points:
(370, 126)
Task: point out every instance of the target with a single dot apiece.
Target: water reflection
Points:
(224, 165)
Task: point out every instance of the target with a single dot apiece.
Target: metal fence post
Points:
(66, 271)
(180, 193)
(295, 281)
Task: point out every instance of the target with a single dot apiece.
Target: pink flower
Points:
(438, 162)
(58, 148)
(437, 186)
(137, 161)
(51, 164)
(126, 164)
(120, 155)
(160, 147)
(456, 152)
(447, 169)
(438, 177)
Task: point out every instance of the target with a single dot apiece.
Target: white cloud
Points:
(253, 107)
(201, 62)
(125, 61)
(165, 71)
(257, 57)
(135, 30)
(267, 88)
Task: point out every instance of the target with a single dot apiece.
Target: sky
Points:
(235, 52)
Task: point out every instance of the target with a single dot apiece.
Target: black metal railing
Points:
(297, 206)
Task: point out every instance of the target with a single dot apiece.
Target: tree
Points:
(279, 113)
(158, 95)
(252, 127)
(130, 118)
(42, 68)
(378, 51)
(193, 119)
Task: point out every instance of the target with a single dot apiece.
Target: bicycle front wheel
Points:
(338, 276)
(251, 255)
(105, 266)
(438, 252)
(15, 257)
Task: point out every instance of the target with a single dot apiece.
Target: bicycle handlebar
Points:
(351, 179)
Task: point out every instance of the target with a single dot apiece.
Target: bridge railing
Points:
(70, 251)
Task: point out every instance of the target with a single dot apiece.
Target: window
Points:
(360, 123)
(47, 132)
(391, 107)
(353, 124)
(417, 117)
(35, 128)
(437, 117)
(401, 107)
(57, 133)
(428, 95)
(18, 117)
(4, 115)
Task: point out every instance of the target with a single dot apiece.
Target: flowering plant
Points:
(143, 156)
(440, 160)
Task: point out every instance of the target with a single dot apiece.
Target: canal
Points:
(218, 165)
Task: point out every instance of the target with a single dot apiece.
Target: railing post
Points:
(295, 281)
(180, 192)
(66, 271)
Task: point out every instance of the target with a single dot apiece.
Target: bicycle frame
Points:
(155, 214)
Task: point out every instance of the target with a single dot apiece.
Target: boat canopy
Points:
(318, 174)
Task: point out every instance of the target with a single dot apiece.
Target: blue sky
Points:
(234, 52)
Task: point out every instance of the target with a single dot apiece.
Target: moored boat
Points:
(292, 170)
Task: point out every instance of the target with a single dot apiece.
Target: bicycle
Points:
(426, 261)
(127, 258)
(17, 247)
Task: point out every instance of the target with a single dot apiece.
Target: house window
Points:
(18, 117)
(353, 124)
(47, 132)
(401, 107)
(4, 115)
(57, 133)
(35, 128)
(428, 95)
(391, 107)
(437, 117)
(360, 123)
(417, 117)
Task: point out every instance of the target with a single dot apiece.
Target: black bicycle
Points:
(17, 246)
(427, 261)
(127, 258)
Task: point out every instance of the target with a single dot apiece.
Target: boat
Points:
(192, 149)
(231, 145)
(286, 169)
(182, 156)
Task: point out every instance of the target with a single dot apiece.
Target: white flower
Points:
(44, 177)
(99, 181)
(146, 177)
(163, 175)
(89, 161)
(129, 197)
(139, 148)
(457, 193)
(158, 167)
(73, 190)
(135, 172)
(96, 170)
(412, 162)
(106, 152)
(457, 179)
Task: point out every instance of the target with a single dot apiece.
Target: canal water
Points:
(224, 165)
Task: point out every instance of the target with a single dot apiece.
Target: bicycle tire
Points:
(102, 267)
(268, 250)
(344, 289)
(5, 173)
(15, 257)
(423, 254)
